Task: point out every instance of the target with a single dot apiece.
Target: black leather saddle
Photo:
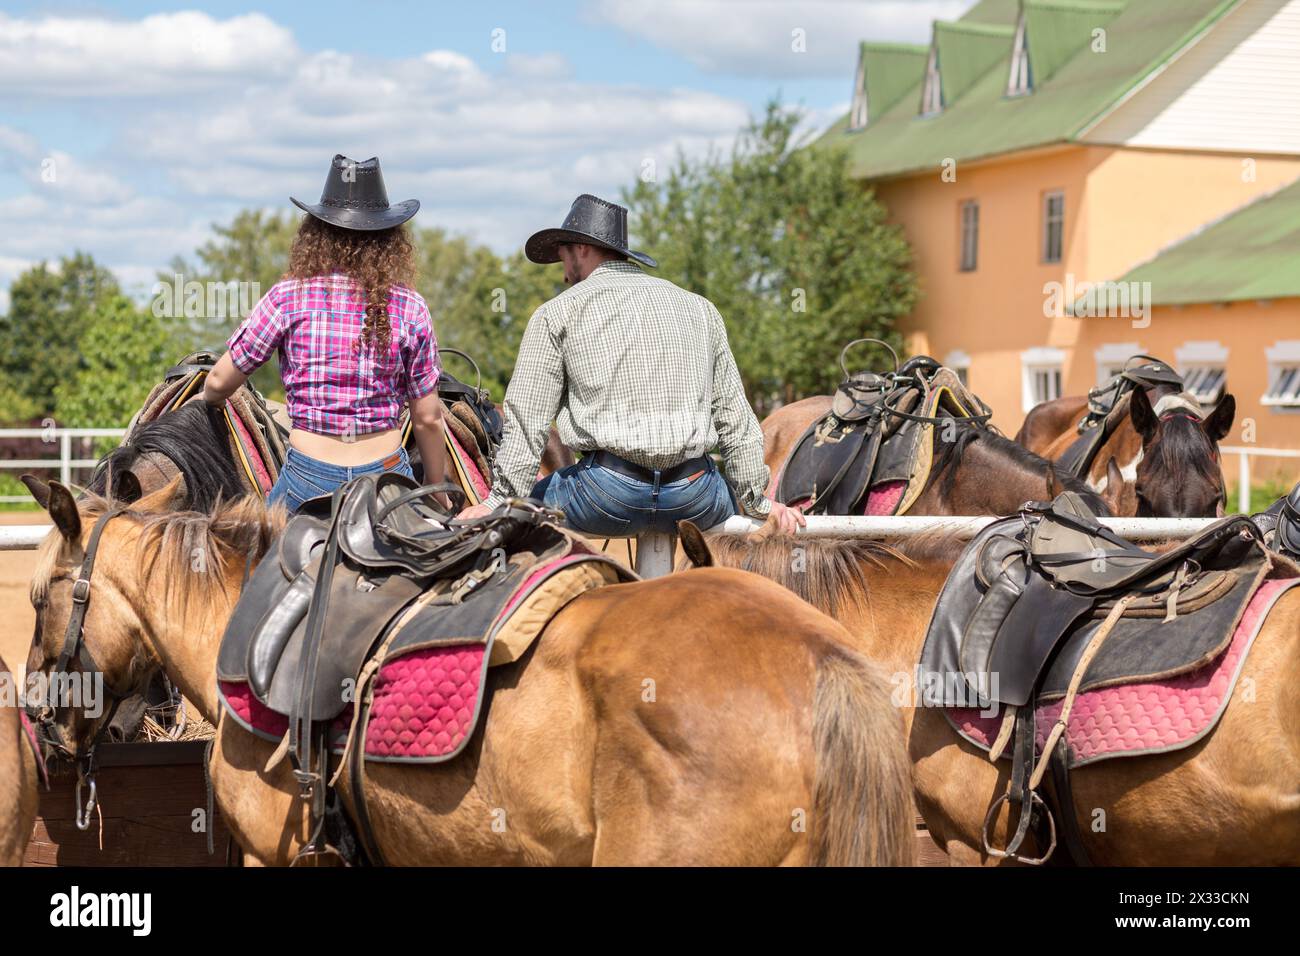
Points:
(1050, 603)
(879, 429)
(1106, 409)
(1280, 524)
(339, 577)
(474, 418)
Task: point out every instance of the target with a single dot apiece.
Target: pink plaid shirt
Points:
(331, 387)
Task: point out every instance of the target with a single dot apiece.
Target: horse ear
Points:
(1220, 421)
(127, 487)
(1114, 493)
(163, 498)
(1142, 414)
(63, 509)
(39, 489)
(695, 544)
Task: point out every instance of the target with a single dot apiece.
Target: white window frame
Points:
(858, 111)
(973, 228)
(1048, 362)
(1020, 82)
(959, 361)
(932, 89)
(1202, 364)
(1283, 365)
(1112, 357)
(1045, 248)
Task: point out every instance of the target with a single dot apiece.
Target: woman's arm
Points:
(427, 425)
(223, 381)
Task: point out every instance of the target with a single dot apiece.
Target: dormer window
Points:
(932, 94)
(1020, 82)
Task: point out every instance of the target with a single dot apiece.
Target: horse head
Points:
(1179, 474)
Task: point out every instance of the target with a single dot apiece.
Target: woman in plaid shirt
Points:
(355, 342)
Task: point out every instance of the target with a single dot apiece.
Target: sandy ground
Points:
(17, 619)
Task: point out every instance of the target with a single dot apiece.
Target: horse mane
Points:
(1184, 444)
(948, 457)
(830, 573)
(195, 550)
(193, 438)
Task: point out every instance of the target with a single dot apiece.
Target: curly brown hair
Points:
(376, 260)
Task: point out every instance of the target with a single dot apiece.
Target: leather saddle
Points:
(333, 587)
(1049, 603)
(474, 422)
(1108, 406)
(1280, 524)
(879, 429)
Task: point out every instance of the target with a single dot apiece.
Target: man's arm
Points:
(530, 405)
(740, 439)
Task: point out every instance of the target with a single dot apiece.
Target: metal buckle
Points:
(306, 783)
(83, 815)
(81, 590)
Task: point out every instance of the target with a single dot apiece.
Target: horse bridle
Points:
(75, 646)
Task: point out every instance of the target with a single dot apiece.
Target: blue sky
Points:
(127, 129)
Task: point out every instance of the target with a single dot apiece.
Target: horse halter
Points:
(74, 645)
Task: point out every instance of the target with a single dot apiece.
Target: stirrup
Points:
(1034, 799)
(318, 856)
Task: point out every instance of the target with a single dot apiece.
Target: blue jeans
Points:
(304, 477)
(601, 502)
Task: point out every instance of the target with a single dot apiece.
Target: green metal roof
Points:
(1253, 253)
(1056, 30)
(966, 51)
(984, 121)
(892, 70)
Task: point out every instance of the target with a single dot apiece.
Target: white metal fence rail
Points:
(1243, 467)
(65, 462)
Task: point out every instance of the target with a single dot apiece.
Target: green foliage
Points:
(49, 311)
(124, 354)
(797, 256)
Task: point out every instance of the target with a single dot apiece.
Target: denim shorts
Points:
(304, 477)
(604, 503)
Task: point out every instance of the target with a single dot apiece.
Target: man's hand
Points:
(474, 511)
(783, 519)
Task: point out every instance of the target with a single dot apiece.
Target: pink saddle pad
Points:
(883, 497)
(482, 486)
(1144, 717)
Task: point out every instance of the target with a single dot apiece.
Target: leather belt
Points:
(687, 469)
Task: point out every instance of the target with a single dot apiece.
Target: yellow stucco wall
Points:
(1122, 206)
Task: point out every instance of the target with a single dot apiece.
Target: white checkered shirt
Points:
(630, 364)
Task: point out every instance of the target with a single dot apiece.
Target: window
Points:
(959, 362)
(1283, 376)
(1112, 357)
(1053, 225)
(1204, 368)
(1020, 81)
(858, 111)
(1041, 377)
(932, 93)
(970, 235)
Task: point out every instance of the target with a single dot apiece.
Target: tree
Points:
(798, 257)
(125, 355)
(48, 313)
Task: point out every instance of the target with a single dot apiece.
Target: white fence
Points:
(1243, 468)
(65, 462)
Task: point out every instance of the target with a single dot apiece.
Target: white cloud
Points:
(167, 53)
(757, 37)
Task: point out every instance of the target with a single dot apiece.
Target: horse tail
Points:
(863, 814)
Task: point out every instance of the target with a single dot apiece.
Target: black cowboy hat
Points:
(590, 220)
(354, 197)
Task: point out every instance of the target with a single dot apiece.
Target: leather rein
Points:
(74, 645)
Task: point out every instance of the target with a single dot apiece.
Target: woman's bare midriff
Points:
(337, 450)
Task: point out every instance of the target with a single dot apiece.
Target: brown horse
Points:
(18, 781)
(606, 744)
(976, 471)
(1168, 454)
(1232, 798)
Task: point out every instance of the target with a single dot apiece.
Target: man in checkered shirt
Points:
(637, 374)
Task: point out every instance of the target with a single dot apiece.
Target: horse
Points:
(976, 471)
(1229, 799)
(1167, 453)
(579, 758)
(18, 777)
